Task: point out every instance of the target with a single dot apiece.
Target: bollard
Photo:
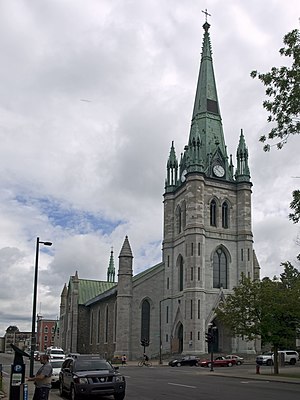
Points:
(257, 368)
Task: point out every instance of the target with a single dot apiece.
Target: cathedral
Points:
(207, 247)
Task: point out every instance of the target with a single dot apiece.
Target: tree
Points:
(283, 89)
(266, 309)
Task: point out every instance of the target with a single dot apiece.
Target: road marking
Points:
(255, 381)
(187, 386)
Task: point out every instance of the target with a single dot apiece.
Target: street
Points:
(192, 383)
(166, 383)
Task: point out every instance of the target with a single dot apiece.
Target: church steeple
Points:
(206, 145)
(206, 152)
(111, 268)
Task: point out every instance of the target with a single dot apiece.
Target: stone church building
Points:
(207, 246)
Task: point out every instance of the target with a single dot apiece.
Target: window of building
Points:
(191, 309)
(199, 249)
(98, 325)
(198, 335)
(225, 215)
(198, 273)
(167, 314)
(106, 324)
(168, 261)
(46, 329)
(213, 213)
(167, 337)
(220, 269)
(145, 328)
(183, 212)
(242, 254)
(198, 315)
(178, 219)
(168, 283)
(45, 338)
(180, 275)
(192, 273)
(115, 323)
(192, 249)
(91, 327)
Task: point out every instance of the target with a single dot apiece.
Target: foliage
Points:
(266, 309)
(283, 89)
(295, 205)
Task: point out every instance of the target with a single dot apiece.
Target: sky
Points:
(93, 92)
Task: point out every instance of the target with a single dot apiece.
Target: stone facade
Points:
(207, 247)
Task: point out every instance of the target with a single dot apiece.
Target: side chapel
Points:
(207, 246)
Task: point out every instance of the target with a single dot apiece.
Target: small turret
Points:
(242, 170)
(111, 268)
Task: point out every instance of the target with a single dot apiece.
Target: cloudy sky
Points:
(92, 94)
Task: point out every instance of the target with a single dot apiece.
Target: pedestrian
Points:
(124, 359)
(42, 379)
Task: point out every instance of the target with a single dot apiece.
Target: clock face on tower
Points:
(218, 170)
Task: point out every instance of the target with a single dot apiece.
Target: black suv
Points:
(89, 375)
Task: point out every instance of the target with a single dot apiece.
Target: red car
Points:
(218, 362)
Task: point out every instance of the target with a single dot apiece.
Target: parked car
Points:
(56, 366)
(55, 353)
(239, 360)
(187, 360)
(290, 357)
(218, 362)
(90, 376)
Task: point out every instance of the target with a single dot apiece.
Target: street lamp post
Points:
(160, 335)
(33, 338)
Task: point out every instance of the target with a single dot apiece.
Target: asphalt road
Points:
(165, 383)
(194, 383)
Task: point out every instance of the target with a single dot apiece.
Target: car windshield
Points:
(57, 352)
(57, 364)
(92, 365)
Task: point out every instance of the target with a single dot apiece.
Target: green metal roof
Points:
(147, 271)
(89, 289)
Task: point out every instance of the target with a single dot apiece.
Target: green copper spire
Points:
(111, 268)
(242, 171)
(206, 141)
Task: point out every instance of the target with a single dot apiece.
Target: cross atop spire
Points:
(206, 14)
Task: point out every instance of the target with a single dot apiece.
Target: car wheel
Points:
(229, 364)
(238, 363)
(61, 389)
(178, 364)
(293, 361)
(119, 396)
(73, 395)
(269, 362)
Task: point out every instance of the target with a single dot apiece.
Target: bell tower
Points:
(207, 239)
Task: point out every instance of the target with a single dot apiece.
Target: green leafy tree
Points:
(266, 309)
(283, 92)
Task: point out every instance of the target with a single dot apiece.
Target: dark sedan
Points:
(188, 360)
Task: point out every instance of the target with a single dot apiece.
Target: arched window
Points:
(225, 215)
(213, 213)
(180, 275)
(145, 327)
(220, 269)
